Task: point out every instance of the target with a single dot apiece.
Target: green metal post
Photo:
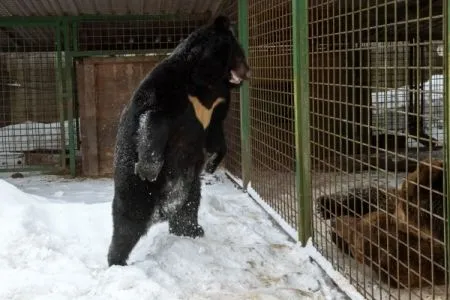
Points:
(69, 96)
(75, 50)
(244, 98)
(301, 103)
(59, 92)
(75, 35)
(447, 122)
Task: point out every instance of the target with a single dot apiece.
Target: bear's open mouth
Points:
(235, 79)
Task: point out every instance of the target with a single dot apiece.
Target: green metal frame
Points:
(447, 118)
(69, 95)
(301, 104)
(244, 97)
(60, 93)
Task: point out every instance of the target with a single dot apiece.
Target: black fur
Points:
(355, 202)
(158, 159)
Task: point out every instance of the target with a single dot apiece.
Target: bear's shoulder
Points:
(199, 66)
(161, 89)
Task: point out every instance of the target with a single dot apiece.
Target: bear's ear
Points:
(222, 23)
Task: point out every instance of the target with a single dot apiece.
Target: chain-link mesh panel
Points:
(377, 131)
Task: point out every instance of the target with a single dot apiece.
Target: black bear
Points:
(173, 118)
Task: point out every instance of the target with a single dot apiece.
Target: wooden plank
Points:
(105, 87)
(88, 118)
(91, 117)
(112, 92)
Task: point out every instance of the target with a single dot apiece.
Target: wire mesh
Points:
(155, 33)
(232, 161)
(30, 123)
(377, 131)
(271, 106)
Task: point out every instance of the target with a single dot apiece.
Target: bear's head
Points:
(214, 55)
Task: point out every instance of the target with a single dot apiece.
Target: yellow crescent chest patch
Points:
(202, 113)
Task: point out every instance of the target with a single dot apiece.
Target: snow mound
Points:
(55, 240)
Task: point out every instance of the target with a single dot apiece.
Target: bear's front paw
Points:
(211, 164)
(192, 231)
(147, 171)
(211, 167)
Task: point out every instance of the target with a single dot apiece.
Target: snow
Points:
(433, 90)
(29, 136)
(56, 232)
(390, 107)
(280, 221)
(337, 277)
(288, 229)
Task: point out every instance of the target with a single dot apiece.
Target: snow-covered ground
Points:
(55, 233)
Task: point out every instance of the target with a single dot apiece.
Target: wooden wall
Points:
(104, 88)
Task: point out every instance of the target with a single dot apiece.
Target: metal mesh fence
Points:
(233, 158)
(131, 36)
(271, 106)
(377, 131)
(376, 121)
(30, 118)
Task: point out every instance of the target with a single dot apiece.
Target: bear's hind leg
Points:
(126, 234)
(185, 221)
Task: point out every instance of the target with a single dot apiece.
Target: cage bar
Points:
(446, 54)
(69, 97)
(244, 97)
(60, 93)
(301, 104)
(272, 114)
(233, 159)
